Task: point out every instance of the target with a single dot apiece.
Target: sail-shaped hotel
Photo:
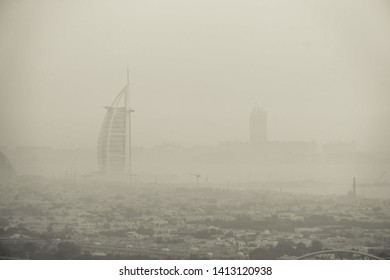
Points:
(114, 144)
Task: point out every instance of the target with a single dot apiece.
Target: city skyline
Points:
(261, 130)
(256, 135)
(194, 83)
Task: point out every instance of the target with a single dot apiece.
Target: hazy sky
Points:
(321, 69)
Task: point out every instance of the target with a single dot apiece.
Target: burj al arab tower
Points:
(114, 144)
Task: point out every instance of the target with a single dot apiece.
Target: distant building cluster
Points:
(63, 220)
(258, 138)
(339, 147)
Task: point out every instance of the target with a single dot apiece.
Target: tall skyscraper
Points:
(258, 127)
(114, 144)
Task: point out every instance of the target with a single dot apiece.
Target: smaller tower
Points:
(258, 127)
(354, 188)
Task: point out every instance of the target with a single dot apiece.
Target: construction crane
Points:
(197, 175)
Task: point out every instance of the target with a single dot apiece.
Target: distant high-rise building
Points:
(258, 126)
(114, 144)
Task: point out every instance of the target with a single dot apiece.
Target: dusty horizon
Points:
(320, 70)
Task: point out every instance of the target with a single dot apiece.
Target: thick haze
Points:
(321, 69)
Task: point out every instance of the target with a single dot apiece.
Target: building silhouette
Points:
(114, 144)
(258, 127)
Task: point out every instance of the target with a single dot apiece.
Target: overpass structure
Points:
(369, 256)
